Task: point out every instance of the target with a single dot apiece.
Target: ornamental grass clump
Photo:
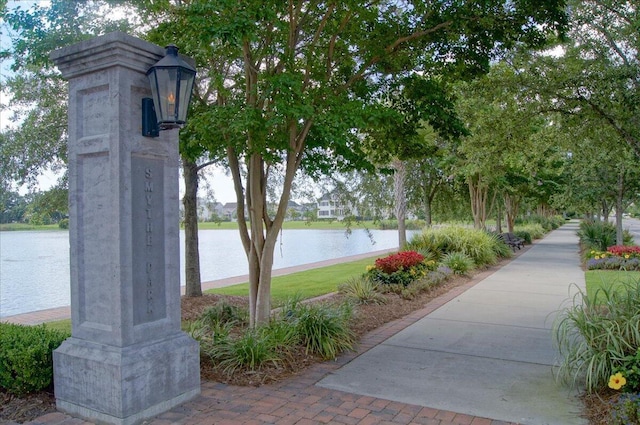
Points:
(599, 338)
(600, 235)
(252, 349)
(362, 290)
(322, 329)
(477, 244)
(459, 262)
(400, 269)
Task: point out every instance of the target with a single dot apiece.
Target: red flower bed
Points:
(621, 250)
(400, 261)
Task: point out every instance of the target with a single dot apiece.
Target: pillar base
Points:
(125, 385)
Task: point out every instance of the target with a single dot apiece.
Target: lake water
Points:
(34, 266)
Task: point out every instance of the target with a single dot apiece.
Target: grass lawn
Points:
(305, 284)
(25, 226)
(609, 280)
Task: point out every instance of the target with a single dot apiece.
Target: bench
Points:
(511, 240)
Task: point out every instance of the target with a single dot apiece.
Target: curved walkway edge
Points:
(483, 343)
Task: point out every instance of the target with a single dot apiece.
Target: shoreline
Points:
(61, 313)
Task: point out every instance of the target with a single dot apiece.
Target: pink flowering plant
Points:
(617, 257)
(401, 268)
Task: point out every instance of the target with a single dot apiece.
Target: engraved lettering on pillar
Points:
(148, 245)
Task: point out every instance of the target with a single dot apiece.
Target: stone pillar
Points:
(127, 358)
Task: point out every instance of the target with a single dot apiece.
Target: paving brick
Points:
(427, 412)
(443, 415)
(402, 418)
(370, 420)
(461, 419)
(324, 418)
(340, 419)
(359, 413)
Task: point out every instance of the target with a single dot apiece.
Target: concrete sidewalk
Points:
(480, 354)
(489, 351)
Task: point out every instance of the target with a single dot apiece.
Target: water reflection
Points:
(34, 265)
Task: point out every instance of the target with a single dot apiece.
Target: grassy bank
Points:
(316, 225)
(227, 225)
(24, 226)
(305, 284)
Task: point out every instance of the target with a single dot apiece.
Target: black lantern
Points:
(171, 82)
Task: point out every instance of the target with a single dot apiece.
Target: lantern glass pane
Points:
(154, 92)
(167, 94)
(186, 86)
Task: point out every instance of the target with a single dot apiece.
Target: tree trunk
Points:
(620, 209)
(427, 212)
(498, 219)
(479, 193)
(400, 201)
(191, 251)
(605, 210)
(512, 204)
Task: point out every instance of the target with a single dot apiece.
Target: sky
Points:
(221, 184)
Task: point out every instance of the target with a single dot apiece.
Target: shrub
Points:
(208, 333)
(400, 269)
(323, 329)
(626, 410)
(251, 350)
(427, 241)
(630, 369)
(600, 235)
(477, 244)
(595, 339)
(534, 231)
(501, 249)
(524, 235)
(224, 312)
(64, 223)
(547, 223)
(401, 261)
(459, 262)
(362, 290)
(26, 363)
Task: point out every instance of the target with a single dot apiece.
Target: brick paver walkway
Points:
(297, 400)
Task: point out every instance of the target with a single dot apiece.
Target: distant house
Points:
(229, 210)
(331, 207)
(207, 210)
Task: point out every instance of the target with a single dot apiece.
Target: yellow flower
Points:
(626, 256)
(370, 267)
(617, 381)
(597, 257)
